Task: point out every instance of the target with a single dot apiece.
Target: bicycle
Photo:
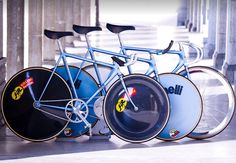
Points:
(187, 114)
(37, 103)
(218, 106)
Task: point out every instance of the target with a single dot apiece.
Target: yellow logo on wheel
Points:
(121, 104)
(16, 94)
(19, 90)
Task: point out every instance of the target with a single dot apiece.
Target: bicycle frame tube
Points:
(151, 62)
(63, 57)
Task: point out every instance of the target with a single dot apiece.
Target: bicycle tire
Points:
(18, 107)
(85, 86)
(218, 101)
(142, 125)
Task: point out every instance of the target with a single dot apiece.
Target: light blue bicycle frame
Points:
(151, 62)
(63, 58)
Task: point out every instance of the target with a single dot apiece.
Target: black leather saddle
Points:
(57, 34)
(85, 29)
(119, 28)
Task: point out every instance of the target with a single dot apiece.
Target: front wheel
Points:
(218, 101)
(124, 120)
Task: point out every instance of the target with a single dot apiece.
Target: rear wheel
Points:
(27, 118)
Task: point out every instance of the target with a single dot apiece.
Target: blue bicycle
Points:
(186, 113)
(218, 107)
(216, 92)
(37, 103)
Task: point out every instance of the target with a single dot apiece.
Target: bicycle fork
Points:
(126, 91)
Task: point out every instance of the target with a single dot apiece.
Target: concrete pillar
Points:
(68, 14)
(2, 59)
(76, 12)
(182, 13)
(68, 18)
(49, 19)
(60, 15)
(97, 14)
(209, 47)
(204, 11)
(2, 68)
(229, 66)
(190, 15)
(195, 16)
(219, 54)
(35, 33)
(85, 12)
(200, 15)
(15, 39)
(1, 28)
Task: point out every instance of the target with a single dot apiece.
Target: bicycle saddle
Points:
(119, 28)
(85, 29)
(57, 34)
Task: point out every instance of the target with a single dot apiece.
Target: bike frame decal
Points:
(121, 104)
(19, 90)
(27, 83)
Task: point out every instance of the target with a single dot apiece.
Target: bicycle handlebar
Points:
(169, 47)
(194, 46)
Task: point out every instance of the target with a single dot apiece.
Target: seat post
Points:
(87, 41)
(60, 46)
(120, 41)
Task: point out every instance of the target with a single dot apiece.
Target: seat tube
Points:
(69, 76)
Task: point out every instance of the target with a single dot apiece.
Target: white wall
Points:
(139, 12)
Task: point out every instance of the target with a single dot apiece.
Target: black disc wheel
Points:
(33, 109)
(143, 121)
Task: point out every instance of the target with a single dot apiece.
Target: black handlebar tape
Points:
(168, 48)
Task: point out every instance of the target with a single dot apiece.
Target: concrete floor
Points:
(219, 149)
